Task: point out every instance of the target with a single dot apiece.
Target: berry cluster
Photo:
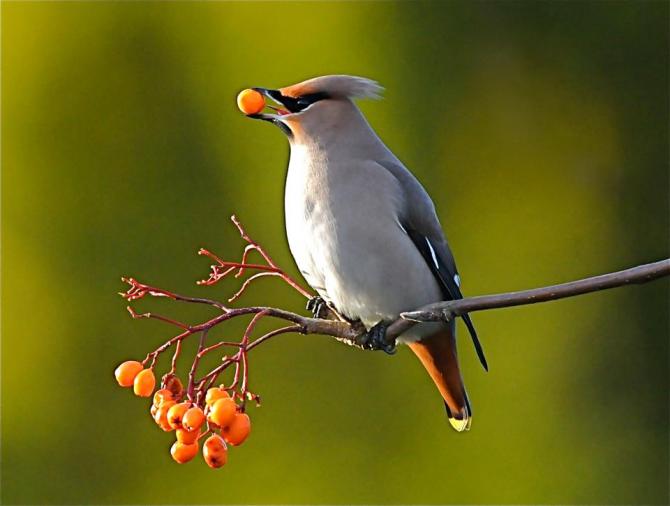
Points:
(201, 409)
(219, 416)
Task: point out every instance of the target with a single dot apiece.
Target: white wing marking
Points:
(432, 253)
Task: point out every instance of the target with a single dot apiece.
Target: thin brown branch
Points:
(222, 267)
(191, 375)
(138, 290)
(444, 311)
(447, 310)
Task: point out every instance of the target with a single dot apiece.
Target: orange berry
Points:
(215, 452)
(214, 394)
(222, 412)
(176, 414)
(126, 372)
(161, 416)
(250, 101)
(186, 437)
(144, 383)
(238, 430)
(193, 419)
(161, 396)
(182, 453)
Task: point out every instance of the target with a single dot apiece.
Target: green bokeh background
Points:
(539, 128)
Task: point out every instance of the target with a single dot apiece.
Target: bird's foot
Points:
(375, 339)
(318, 307)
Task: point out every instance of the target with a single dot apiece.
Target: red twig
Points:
(191, 375)
(155, 316)
(177, 351)
(248, 281)
(138, 290)
(223, 268)
(242, 354)
(154, 354)
(239, 386)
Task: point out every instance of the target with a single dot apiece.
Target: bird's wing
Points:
(420, 221)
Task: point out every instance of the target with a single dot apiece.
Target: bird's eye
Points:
(302, 103)
(298, 104)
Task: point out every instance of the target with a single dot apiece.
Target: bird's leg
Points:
(318, 306)
(375, 339)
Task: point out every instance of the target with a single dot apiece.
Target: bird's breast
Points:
(343, 231)
(304, 215)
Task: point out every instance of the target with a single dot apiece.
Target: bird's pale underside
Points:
(362, 229)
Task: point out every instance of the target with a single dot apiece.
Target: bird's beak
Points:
(276, 97)
(279, 112)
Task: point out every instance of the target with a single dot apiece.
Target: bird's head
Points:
(317, 105)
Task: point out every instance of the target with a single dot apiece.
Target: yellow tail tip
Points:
(461, 425)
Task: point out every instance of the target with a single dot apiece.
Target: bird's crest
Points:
(336, 86)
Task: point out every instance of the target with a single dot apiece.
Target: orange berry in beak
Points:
(250, 101)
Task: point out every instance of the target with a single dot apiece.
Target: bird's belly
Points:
(302, 234)
(371, 273)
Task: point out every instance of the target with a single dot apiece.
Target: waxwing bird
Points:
(363, 231)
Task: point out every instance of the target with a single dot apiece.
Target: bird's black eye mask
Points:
(289, 105)
(292, 104)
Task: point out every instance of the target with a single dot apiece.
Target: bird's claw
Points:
(318, 307)
(375, 339)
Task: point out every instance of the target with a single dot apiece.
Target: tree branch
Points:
(447, 310)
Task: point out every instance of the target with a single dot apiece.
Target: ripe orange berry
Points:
(182, 453)
(238, 430)
(215, 452)
(222, 412)
(144, 383)
(161, 416)
(186, 437)
(176, 414)
(161, 396)
(126, 372)
(193, 419)
(250, 101)
(214, 394)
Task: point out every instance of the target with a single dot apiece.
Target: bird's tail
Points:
(438, 355)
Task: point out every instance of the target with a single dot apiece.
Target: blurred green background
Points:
(539, 128)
